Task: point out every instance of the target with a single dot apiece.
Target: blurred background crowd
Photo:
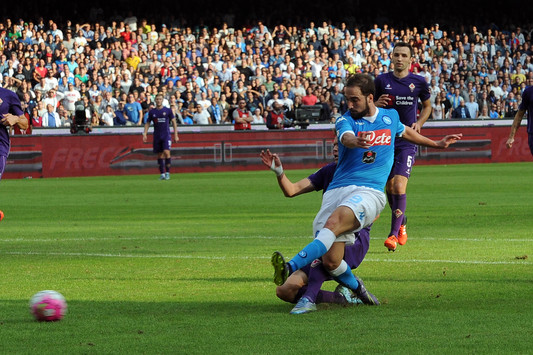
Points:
(113, 58)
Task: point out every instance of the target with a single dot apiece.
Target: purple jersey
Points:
(9, 103)
(405, 93)
(323, 177)
(527, 105)
(161, 119)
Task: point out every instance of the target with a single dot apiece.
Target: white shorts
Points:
(366, 204)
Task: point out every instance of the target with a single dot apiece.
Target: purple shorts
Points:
(404, 159)
(160, 145)
(3, 160)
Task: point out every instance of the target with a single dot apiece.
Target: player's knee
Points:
(285, 293)
(330, 264)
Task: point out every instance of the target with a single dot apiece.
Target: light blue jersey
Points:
(367, 167)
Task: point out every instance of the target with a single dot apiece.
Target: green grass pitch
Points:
(183, 266)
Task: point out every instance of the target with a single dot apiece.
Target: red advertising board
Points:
(99, 154)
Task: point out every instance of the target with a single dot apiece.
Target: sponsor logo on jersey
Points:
(379, 137)
(388, 87)
(369, 157)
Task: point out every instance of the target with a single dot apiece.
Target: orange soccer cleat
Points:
(391, 243)
(402, 234)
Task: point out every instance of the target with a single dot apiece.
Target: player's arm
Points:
(350, 140)
(175, 126)
(145, 131)
(289, 188)
(514, 127)
(11, 120)
(424, 115)
(140, 116)
(414, 137)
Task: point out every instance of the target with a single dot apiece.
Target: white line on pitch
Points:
(45, 240)
(166, 256)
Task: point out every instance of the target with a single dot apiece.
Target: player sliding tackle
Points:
(355, 196)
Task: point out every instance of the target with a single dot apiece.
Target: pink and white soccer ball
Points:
(48, 305)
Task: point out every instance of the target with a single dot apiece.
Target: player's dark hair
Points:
(364, 82)
(406, 45)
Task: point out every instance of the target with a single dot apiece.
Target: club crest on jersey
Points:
(369, 157)
(412, 87)
(386, 120)
(302, 254)
(379, 137)
(316, 262)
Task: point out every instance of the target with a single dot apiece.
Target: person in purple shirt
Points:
(525, 105)
(161, 117)
(401, 90)
(11, 114)
(305, 284)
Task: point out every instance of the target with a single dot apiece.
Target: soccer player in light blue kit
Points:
(161, 117)
(525, 105)
(400, 89)
(355, 197)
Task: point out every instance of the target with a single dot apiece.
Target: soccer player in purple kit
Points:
(11, 114)
(355, 197)
(401, 90)
(303, 286)
(525, 105)
(161, 117)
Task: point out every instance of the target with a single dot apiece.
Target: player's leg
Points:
(340, 221)
(3, 160)
(292, 288)
(396, 194)
(166, 154)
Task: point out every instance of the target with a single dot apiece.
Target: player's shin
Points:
(398, 205)
(314, 250)
(343, 274)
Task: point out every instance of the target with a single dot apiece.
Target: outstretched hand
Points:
(272, 161)
(448, 140)
(267, 158)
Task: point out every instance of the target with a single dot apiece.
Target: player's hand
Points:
(9, 119)
(416, 127)
(509, 143)
(362, 140)
(176, 138)
(383, 101)
(449, 139)
(267, 158)
(145, 138)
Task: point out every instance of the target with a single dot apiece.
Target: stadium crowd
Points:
(115, 68)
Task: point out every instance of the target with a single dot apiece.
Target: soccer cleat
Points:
(348, 295)
(281, 269)
(391, 243)
(402, 233)
(162, 177)
(365, 296)
(304, 305)
(167, 176)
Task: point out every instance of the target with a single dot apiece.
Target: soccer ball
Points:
(48, 306)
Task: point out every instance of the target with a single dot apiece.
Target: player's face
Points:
(358, 104)
(159, 101)
(401, 58)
